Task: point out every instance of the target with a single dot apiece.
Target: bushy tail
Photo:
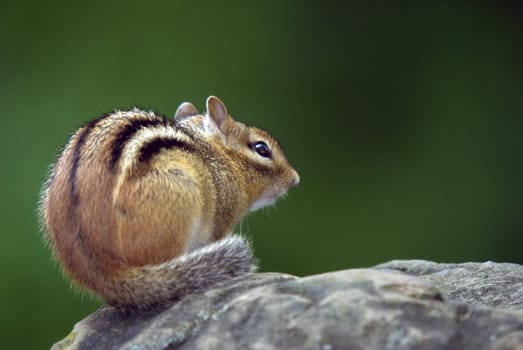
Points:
(155, 286)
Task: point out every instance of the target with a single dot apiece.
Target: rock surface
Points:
(396, 305)
(474, 284)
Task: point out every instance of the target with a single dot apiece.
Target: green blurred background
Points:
(403, 120)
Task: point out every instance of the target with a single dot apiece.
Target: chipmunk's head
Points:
(261, 161)
(273, 175)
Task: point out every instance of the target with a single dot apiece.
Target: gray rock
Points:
(426, 306)
(498, 285)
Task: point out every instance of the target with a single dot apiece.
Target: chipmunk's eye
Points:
(262, 149)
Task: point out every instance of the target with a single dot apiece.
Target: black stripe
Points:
(76, 156)
(127, 132)
(149, 149)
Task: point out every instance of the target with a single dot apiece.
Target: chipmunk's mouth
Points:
(263, 201)
(268, 197)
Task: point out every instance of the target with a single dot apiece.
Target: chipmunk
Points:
(139, 209)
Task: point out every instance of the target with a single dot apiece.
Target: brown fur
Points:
(135, 202)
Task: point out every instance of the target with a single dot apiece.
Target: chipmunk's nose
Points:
(295, 180)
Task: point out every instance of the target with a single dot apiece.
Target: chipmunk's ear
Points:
(216, 110)
(185, 110)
